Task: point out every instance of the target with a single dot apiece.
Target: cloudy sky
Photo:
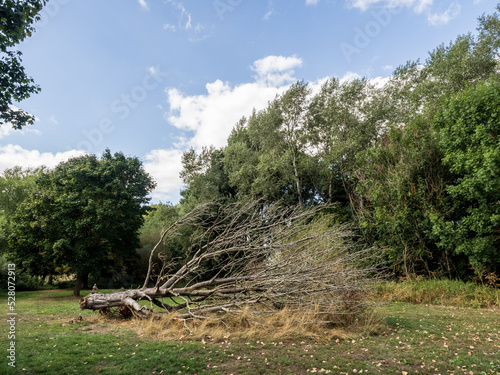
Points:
(152, 78)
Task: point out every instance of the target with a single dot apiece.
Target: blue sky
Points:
(151, 78)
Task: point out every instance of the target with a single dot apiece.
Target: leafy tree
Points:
(489, 34)
(292, 107)
(404, 201)
(252, 160)
(267, 157)
(403, 187)
(340, 125)
(419, 88)
(205, 177)
(241, 156)
(157, 219)
(16, 23)
(15, 185)
(470, 138)
(85, 214)
(378, 151)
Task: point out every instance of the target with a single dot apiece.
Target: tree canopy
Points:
(397, 160)
(470, 138)
(16, 24)
(84, 215)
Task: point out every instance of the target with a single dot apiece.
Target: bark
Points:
(82, 282)
(298, 185)
(129, 298)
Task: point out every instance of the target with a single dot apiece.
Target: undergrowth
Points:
(439, 292)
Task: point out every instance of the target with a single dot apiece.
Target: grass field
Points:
(409, 339)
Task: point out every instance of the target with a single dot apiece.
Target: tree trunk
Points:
(297, 179)
(129, 298)
(82, 280)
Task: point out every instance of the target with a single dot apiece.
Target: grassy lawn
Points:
(411, 339)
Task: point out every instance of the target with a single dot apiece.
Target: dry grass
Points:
(278, 325)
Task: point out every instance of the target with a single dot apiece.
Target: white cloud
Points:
(349, 76)
(268, 15)
(170, 27)
(438, 19)
(211, 116)
(143, 4)
(380, 81)
(15, 155)
(312, 2)
(196, 31)
(422, 5)
(7, 130)
(165, 166)
(276, 70)
(418, 7)
(185, 18)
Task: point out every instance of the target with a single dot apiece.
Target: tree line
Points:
(413, 166)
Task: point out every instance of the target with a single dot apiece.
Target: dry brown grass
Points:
(278, 325)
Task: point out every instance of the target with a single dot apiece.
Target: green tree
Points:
(205, 178)
(404, 202)
(85, 215)
(470, 137)
(252, 160)
(403, 188)
(292, 108)
(340, 125)
(15, 185)
(266, 156)
(157, 219)
(419, 88)
(16, 23)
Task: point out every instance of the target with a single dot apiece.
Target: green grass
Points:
(412, 339)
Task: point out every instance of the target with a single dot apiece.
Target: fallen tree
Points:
(253, 256)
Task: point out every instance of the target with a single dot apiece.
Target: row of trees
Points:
(415, 164)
